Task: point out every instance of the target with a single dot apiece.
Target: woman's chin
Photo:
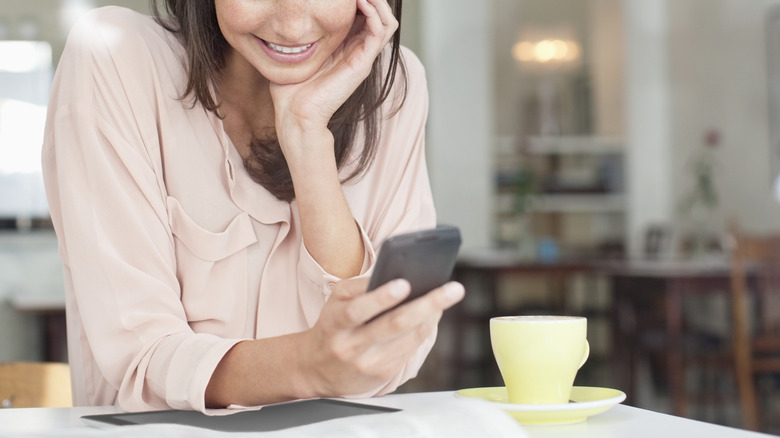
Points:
(289, 77)
(287, 81)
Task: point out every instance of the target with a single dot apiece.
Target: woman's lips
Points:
(288, 54)
(288, 50)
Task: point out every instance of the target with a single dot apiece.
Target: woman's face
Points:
(285, 40)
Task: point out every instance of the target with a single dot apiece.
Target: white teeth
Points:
(288, 50)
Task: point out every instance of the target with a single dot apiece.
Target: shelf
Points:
(562, 145)
(579, 203)
(575, 145)
(577, 195)
(607, 203)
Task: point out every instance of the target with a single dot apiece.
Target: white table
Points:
(620, 421)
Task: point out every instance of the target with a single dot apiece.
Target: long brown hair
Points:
(195, 22)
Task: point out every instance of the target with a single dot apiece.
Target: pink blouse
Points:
(171, 253)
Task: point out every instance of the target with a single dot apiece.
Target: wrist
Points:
(291, 126)
(303, 147)
(308, 382)
(311, 160)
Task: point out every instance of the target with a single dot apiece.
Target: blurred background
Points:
(596, 154)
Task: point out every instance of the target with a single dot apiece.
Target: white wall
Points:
(693, 66)
(647, 89)
(456, 42)
(717, 65)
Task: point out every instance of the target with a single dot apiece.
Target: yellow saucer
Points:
(586, 401)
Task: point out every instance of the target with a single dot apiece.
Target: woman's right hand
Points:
(347, 353)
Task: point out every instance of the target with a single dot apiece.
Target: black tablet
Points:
(269, 418)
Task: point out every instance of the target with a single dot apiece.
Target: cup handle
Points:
(585, 355)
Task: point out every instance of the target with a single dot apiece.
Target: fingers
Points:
(358, 310)
(411, 316)
(380, 12)
(440, 298)
(383, 358)
(398, 335)
(387, 359)
(350, 356)
(380, 23)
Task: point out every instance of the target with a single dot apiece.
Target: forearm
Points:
(260, 372)
(328, 227)
(346, 352)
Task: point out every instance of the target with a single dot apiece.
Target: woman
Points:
(219, 183)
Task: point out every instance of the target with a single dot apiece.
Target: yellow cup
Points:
(539, 356)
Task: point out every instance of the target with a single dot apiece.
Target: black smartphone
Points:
(424, 258)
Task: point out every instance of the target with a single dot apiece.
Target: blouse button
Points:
(330, 287)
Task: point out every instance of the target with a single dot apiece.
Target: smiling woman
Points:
(197, 282)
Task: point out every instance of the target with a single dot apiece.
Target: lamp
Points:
(547, 53)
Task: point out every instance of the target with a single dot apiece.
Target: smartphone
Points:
(424, 258)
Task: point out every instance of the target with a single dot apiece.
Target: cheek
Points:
(235, 17)
(339, 19)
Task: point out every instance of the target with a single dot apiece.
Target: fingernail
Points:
(454, 291)
(399, 288)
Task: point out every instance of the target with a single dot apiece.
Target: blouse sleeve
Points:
(104, 182)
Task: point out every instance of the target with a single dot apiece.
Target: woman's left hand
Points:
(311, 104)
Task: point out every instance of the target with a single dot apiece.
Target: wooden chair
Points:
(34, 384)
(756, 329)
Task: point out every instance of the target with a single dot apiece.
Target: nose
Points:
(292, 21)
